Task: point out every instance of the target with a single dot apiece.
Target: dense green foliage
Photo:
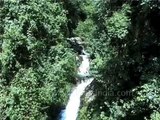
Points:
(38, 66)
(124, 38)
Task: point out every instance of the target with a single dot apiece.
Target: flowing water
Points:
(72, 108)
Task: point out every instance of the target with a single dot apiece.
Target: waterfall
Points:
(72, 108)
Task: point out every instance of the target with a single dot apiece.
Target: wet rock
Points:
(76, 43)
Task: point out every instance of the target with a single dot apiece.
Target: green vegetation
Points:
(38, 66)
(125, 44)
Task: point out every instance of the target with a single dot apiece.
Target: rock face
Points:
(76, 43)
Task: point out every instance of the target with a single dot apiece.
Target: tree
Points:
(34, 60)
(126, 85)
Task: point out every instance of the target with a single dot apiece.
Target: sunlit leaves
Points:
(118, 24)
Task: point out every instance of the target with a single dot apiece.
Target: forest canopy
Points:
(38, 64)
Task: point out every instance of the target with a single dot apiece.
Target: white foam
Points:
(72, 108)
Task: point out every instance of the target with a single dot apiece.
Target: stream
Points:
(72, 108)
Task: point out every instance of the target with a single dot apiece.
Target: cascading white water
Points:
(72, 108)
